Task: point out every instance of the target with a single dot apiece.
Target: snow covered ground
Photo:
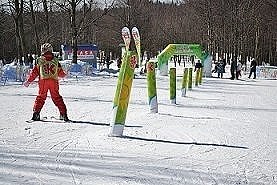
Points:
(223, 132)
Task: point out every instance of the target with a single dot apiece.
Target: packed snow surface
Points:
(223, 132)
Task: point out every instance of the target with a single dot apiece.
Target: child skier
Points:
(48, 69)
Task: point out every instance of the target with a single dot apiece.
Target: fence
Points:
(18, 73)
(267, 72)
(13, 73)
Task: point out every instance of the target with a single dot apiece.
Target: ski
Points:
(55, 119)
(52, 119)
(126, 37)
(31, 121)
(136, 36)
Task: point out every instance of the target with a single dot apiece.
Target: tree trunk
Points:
(74, 32)
(18, 48)
(18, 20)
(210, 31)
(45, 8)
(35, 27)
(22, 36)
(257, 36)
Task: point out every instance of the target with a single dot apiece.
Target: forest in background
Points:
(237, 29)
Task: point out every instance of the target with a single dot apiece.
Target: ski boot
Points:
(64, 117)
(36, 116)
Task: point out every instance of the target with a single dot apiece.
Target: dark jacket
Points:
(253, 65)
(198, 65)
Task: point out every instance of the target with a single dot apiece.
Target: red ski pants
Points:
(53, 86)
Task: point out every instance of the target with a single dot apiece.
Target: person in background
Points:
(108, 62)
(220, 69)
(48, 69)
(198, 65)
(239, 68)
(233, 69)
(215, 67)
(118, 62)
(31, 60)
(253, 67)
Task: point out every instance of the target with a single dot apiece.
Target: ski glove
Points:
(26, 84)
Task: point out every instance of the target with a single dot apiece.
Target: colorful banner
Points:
(136, 36)
(85, 52)
(151, 84)
(122, 94)
(184, 82)
(179, 49)
(267, 72)
(172, 79)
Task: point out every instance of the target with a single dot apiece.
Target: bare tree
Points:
(234, 28)
(77, 23)
(46, 14)
(17, 9)
(34, 24)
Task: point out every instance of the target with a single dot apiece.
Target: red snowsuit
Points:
(48, 69)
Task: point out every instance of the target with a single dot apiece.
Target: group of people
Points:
(236, 68)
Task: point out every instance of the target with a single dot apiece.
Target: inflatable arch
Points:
(183, 49)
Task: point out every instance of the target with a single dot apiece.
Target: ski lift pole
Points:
(122, 94)
(151, 85)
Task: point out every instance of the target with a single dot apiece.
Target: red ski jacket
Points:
(47, 67)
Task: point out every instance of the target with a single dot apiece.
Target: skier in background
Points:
(220, 69)
(239, 68)
(253, 67)
(30, 60)
(233, 69)
(48, 69)
(198, 65)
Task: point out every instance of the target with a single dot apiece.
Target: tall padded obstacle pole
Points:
(151, 85)
(184, 82)
(172, 79)
(197, 75)
(201, 76)
(190, 79)
(122, 94)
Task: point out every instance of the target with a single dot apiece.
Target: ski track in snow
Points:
(222, 132)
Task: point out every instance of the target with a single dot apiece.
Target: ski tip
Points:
(27, 128)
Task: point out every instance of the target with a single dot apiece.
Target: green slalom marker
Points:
(122, 94)
(190, 79)
(172, 79)
(201, 76)
(197, 77)
(184, 82)
(151, 84)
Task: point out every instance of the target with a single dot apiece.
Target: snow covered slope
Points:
(223, 132)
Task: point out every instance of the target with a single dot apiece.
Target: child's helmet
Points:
(46, 47)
